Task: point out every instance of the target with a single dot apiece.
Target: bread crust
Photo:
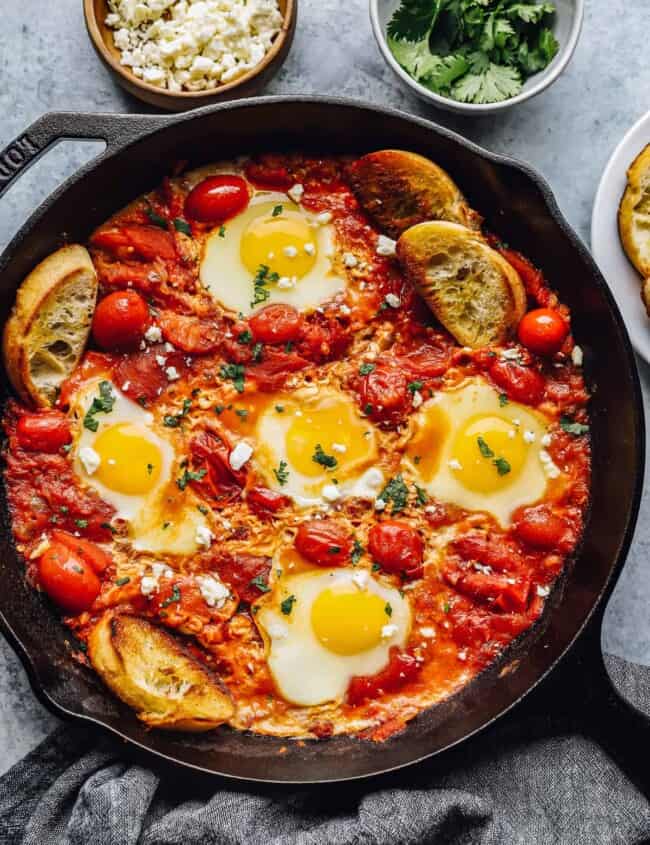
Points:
(473, 291)
(60, 291)
(399, 189)
(634, 213)
(150, 670)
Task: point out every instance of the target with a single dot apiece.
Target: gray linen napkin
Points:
(569, 765)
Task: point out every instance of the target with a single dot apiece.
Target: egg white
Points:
(305, 672)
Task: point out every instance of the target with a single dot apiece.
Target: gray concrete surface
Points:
(46, 63)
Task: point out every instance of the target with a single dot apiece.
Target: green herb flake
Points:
(245, 337)
(222, 231)
(277, 211)
(325, 460)
(149, 469)
(357, 552)
(376, 567)
(367, 409)
(202, 509)
(446, 607)
(234, 373)
(414, 386)
(262, 278)
(281, 473)
(155, 218)
(175, 597)
(484, 449)
(420, 495)
(288, 346)
(188, 476)
(261, 583)
(287, 605)
(120, 582)
(503, 399)
(102, 404)
(388, 609)
(279, 409)
(174, 420)
(366, 369)
(183, 226)
(81, 523)
(571, 427)
(502, 465)
(257, 352)
(396, 492)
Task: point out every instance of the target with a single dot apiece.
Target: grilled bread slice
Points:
(634, 216)
(47, 331)
(473, 291)
(398, 189)
(150, 670)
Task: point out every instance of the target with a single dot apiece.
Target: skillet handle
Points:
(117, 130)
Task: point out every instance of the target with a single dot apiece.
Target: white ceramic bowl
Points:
(566, 27)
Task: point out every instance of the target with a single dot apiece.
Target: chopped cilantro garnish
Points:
(503, 399)
(414, 386)
(245, 337)
(107, 526)
(242, 413)
(288, 346)
(174, 420)
(81, 523)
(502, 465)
(572, 427)
(182, 226)
(263, 277)
(366, 368)
(287, 605)
(257, 352)
(367, 409)
(334, 550)
(202, 509)
(396, 492)
(222, 231)
(188, 475)
(219, 409)
(420, 495)
(149, 469)
(325, 460)
(277, 211)
(155, 218)
(235, 373)
(282, 473)
(484, 449)
(357, 551)
(175, 596)
(120, 582)
(102, 404)
(260, 582)
(376, 567)
(446, 607)
(388, 609)
(279, 409)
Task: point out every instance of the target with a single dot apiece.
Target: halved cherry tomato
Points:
(541, 528)
(402, 668)
(47, 431)
(120, 320)
(500, 590)
(323, 542)
(276, 324)
(263, 499)
(384, 394)
(522, 384)
(190, 334)
(89, 552)
(268, 175)
(217, 198)
(67, 578)
(543, 331)
(397, 547)
(243, 573)
(136, 241)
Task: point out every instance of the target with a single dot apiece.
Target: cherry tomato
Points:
(190, 334)
(47, 431)
(402, 667)
(90, 553)
(384, 394)
(543, 331)
(323, 542)
(522, 384)
(67, 578)
(217, 199)
(541, 528)
(397, 547)
(129, 242)
(276, 324)
(261, 498)
(120, 320)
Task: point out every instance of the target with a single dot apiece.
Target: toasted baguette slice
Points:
(47, 331)
(149, 670)
(398, 189)
(634, 213)
(476, 295)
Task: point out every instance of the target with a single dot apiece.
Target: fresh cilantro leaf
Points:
(277, 211)
(366, 368)
(448, 70)
(325, 460)
(182, 226)
(81, 523)
(484, 449)
(395, 492)
(414, 19)
(416, 58)
(502, 465)
(287, 605)
(529, 12)
(496, 84)
(101, 404)
(234, 373)
(571, 427)
(263, 277)
(188, 476)
(414, 386)
(174, 420)
(281, 473)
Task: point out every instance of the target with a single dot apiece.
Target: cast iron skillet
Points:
(519, 206)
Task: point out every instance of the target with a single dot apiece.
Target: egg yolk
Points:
(129, 462)
(425, 447)
(281, 239)
(490, 457)
(327, 439)
(348, 622)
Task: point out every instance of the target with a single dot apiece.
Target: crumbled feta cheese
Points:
(323, 218)
(429, 633)
(417, 399)
(126, 385)
(360, 579)
(577, 356)
(546, 440)
(393, 300)
(310, 249)
(388, 631)
(240, 455)
(172, 373)
(511, 355)
(341, 448)
(462, 655)
(168, 347)
(213, 591)
(90, 460)
(345, 310)
(161, 360)
(290, 251)
(551, 469)
(529, 436)
(296, 192)
(192, 46)
(148, 585)
(543, 591)
(330, 492)
(203, 536)
(369, 484)
(277, 629)
(153, 334)
(350, 260)
(284, 283)
(385, 246)
(454, 463)
(380, 504)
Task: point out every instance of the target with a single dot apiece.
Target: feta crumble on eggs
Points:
(192, 45)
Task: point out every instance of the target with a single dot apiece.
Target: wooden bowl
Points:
(250, 83)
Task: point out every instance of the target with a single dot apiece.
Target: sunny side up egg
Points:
(130, 464)
(274, 251)
(472, 449)
(322, 628)
(314, 446)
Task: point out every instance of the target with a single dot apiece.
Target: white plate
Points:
(622, 278)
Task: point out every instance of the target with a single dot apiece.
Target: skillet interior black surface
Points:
(519, 207)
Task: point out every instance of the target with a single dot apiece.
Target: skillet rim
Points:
(119, 142)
